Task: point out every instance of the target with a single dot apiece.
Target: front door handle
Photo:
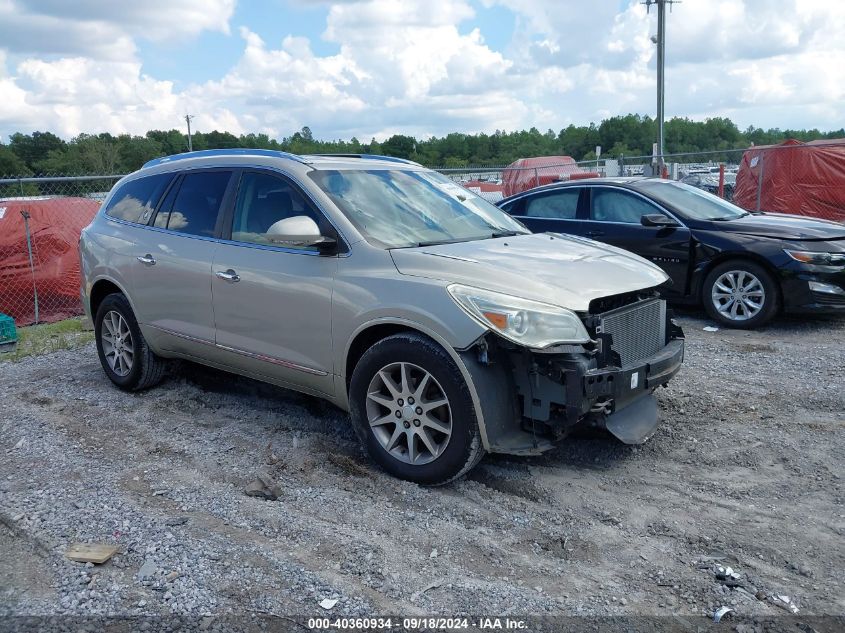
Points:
(228, 275)
(147, 259)
(595, 233)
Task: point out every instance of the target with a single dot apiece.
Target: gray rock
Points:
(148, 570)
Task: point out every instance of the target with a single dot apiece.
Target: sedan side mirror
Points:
(299, 231)
(657, 219)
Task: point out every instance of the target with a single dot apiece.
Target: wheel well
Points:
(100, 291)
(366, 339)
(728, 257)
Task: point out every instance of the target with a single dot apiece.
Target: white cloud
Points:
(105, 30)
(421, 67)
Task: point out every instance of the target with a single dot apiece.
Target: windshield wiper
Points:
(507, 233)
(728, 217)
(438, 242)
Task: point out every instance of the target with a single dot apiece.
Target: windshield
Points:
(404, 208)
(691, 202)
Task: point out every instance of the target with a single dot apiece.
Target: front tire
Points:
(124, 354)
(413, 412)
(740, 294)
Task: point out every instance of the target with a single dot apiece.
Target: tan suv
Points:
(437, 320)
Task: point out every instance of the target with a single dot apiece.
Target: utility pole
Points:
(188, 118)
(660, 40)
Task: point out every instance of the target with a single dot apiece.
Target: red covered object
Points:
(799, 178)
(55, 225)
(527, 173)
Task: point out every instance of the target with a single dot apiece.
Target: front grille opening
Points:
(614, 302)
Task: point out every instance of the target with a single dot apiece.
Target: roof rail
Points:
(207, 153)
(390, 159)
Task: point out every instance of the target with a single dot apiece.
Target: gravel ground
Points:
(745, 471)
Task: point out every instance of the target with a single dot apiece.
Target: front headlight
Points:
(522, 321)
(818, 259)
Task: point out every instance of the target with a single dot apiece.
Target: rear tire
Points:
(740, 294)
(413, 412)
(124, 354)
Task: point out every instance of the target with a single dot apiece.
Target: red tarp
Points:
(799, 178)
(54, 225)
(527, 173)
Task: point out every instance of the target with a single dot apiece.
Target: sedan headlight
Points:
(818, 259)
(522, 321)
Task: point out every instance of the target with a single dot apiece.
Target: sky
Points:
(373, 68)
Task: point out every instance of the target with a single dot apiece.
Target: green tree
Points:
(34, 147)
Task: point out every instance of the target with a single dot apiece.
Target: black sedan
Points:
(743, 267)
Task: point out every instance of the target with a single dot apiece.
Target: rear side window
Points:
(560, 205)
(196, 204)
(136, 200)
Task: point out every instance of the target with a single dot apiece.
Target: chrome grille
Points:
(638, 330)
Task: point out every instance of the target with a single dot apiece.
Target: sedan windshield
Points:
(690, 201)
(404, 208)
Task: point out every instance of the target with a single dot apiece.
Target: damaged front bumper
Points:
(530, 400)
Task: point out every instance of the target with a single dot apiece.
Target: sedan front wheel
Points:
(740, 294)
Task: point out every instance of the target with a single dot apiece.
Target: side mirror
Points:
(657, 219)
(299, 231)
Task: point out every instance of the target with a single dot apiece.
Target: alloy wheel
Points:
(738, 295)
(409, 413)
(118, 347)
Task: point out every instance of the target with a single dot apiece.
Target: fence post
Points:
(721, 180)
(25, 215)
(760, 180)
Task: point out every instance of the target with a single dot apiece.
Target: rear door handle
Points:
(228, 275)
(595, 233)
(147, 259)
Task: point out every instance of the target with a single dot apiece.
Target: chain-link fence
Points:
(40, 223)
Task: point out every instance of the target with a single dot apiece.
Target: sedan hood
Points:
(783, 226)
(564, 270)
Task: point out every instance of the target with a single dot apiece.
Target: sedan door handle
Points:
(147, 259)
(595, 233)
(228, 275)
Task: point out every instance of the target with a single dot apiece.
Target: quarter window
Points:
(618, 206)
(263, 200)
(560, 205)
(197, 204)
(135, 201)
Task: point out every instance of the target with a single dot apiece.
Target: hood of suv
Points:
(563, 270)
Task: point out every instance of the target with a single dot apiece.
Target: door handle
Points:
(228, 275)
(595, 233)
(147, 259)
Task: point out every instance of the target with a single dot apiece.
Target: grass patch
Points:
(48, 338)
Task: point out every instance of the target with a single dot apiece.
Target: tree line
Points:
(44, 153)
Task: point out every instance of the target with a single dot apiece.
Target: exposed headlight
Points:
(819, 259)
(522, 321)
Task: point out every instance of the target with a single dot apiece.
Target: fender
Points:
(342, 397)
